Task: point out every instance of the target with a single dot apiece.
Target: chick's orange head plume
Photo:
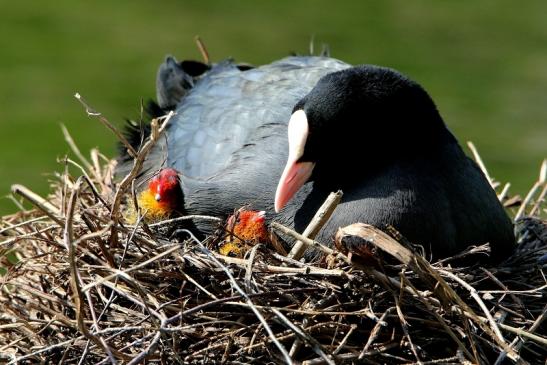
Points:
(165, 185)
(249, 225)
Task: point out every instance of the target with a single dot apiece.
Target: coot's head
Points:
(362, 118)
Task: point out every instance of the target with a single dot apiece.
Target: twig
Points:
(198, 285)
(527, 199)
(155, 133)
(541, 199)
(345, 339)
(307, 270)
(95, 155)
(249, 267)
(478, 159)
(503, 286)
(142, 303)
(351, 355)
(404, 326)
(379, 238)
(309, 242)
(301, 334)
(540, 182)
(202, 49)
(24, 223)
(89, 183)
(317, 222)
(504, 191)
(375, 332)
(517, 342)
(148, 351)
(543, 194)
(39, 202)
(439, 318)
(358, 313)
(76, 150)
(45, 350)
(93, 113)
(185, 218)
(206, 305)
(384, 279)
(8, 244)
(479, 301)
(523, 333)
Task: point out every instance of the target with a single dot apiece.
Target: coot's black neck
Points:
(367, 154)
(366, 118)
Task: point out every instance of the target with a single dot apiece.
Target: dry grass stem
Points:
(93, 113)
(202, 49)
(317, 222)
(481, 164)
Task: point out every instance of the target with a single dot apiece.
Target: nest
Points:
(80, 286)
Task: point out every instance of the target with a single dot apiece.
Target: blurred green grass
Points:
(484, 63)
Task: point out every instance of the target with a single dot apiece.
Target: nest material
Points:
(82, 287)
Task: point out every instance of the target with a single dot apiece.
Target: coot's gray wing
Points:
(226, 107)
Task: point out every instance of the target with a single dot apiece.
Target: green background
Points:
(484, 63)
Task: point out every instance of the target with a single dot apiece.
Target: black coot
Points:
(367, 130)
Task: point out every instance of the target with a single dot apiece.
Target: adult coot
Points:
(367, 130)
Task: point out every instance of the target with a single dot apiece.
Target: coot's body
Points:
(372, 133)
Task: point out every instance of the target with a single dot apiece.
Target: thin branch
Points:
(479, 301)
(478, 159)
(202, 49)
(93, 113)
(318, 221)
(138, 161)
(45, 206)
(76, 150)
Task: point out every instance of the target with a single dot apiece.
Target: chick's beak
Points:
(295, 173)
(158, 194)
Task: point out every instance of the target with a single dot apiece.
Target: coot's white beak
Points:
(296, 173)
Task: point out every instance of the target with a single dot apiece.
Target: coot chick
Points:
(244, 229)
(161, 199)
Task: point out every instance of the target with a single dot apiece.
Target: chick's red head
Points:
(249, 225)
(165, 186)
(162, 199)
